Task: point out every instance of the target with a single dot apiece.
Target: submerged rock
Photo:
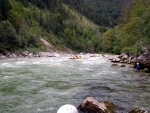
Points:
(114, 65)
(91, 105)
(119, 65)
(137, 110)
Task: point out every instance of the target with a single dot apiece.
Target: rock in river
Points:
(91, 105)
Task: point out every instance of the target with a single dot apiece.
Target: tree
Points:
(68, 34)
(89, 46)
(108, 39)
(4, 9)
(9, 40)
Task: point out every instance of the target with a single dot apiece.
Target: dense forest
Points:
(23, 22)
(120, 25)
(133, 34)
(101, 12)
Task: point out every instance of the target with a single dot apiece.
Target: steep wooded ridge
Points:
(101, 12)
(122, 25)
(24, 22)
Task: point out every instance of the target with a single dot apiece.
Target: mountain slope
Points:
(24, 22)
(61, 26)
(134, 34)
(102, 12)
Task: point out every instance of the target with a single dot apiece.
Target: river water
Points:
(42, 85)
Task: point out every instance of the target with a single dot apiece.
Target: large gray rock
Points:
(25, 54)
(123, 56)
(91, 105)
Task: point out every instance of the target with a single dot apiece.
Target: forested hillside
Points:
(133, 34)
(122, 25)
(24, 22)
(102, 12)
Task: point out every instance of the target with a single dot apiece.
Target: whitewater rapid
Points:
(33, 85)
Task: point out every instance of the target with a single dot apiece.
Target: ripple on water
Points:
(45, 84)
(6, 65)
(8, 77)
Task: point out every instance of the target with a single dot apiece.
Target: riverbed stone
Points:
(91, 105)
(144, 58)
(2, 56)
(138, 110)
(114, 65)
(121, 65)
(25, 53)
(115, 60)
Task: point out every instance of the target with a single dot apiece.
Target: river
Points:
(42, 85)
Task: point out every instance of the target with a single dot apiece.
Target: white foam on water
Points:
(28, 107)
(77, 74)
(93, 60)
(36, 62)
(6, 65)
(57, 93)
(7, 77)
(21, 62)
(50, 61)
(39, 110)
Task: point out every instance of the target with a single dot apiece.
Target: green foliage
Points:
(133, 35)
(4, 9)
(26, 21)
(9, 40)
(136, 30)
(102, 12)
(108, 40)
(52, 20)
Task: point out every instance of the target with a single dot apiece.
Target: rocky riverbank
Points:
(27, 54)
(143, 59)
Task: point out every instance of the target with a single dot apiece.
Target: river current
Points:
(42, 85)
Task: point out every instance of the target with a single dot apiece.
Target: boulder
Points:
(144, 58)
(14, 55)
(91, 105)
(11, 55)
(25, 53)
(121, 65)
(123, 56)
(30, 54)
(114, 65)
(138, 110)
(134, 60)
(115, 60)
(2, 56)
